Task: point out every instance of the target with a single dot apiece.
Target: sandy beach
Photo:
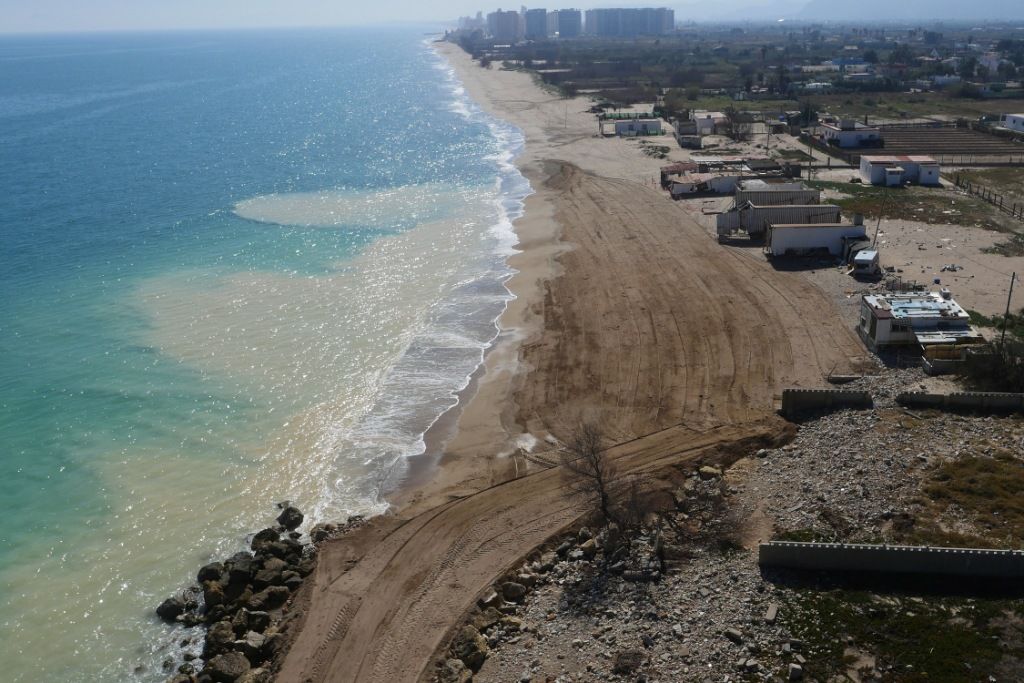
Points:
(627, 314)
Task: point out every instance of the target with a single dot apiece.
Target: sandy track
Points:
(655, 324)
(383, 619)
(678, 347)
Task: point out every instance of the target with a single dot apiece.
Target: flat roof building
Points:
(569, 23)
(893, 170)
(505, 27)
(630, 22)
(848, 134)
(535, 23)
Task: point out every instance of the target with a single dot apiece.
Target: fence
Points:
(994, 198)
(899, 559)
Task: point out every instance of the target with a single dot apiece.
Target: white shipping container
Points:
(784, 239)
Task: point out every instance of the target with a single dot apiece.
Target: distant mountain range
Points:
(913, 10)
(865, 11)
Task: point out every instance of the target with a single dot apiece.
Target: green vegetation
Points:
(1014, 246)
(941, 640)
(990, 488)
(921, 204)
(1014, 322)
(1008, 182)
(793, 155)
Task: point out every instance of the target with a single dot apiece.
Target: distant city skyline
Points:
(42, 16)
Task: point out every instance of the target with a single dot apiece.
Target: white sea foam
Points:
(356, 208)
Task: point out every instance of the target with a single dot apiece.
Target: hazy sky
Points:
(89, 15)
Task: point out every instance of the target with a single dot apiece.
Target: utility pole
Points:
(1002, 337)
(878, 225)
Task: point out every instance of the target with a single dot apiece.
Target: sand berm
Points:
(627, 313)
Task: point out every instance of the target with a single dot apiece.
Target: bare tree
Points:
(589, 470)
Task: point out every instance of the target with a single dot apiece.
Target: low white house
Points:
(1013, 122)
(803, 238)
(708, 121)
(894, 170)
(634, 127)
(849, 134)
(922, 319)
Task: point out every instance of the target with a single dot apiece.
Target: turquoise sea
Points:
(237, 268)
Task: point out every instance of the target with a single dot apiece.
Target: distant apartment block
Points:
(569, 23)
(627, 23)
(505, 27)
(536, 23)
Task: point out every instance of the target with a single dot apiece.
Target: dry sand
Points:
(628, 313)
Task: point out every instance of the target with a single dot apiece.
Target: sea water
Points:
(237, 268)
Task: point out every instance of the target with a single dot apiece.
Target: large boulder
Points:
(269, 598)
(454, 671)
(263, 538)
(251, 645)
(470, 647)
(219, 639)
(267, 577)
(255, 676)
(241, 570)
(213, 594)
(256, 621)
(290, 518)
(512, 591)
(227, 668)
(173, 607)
(210, 572)
(486, 618)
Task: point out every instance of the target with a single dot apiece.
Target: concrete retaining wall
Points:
(986, 402)
(1006, 564)
(798, 401)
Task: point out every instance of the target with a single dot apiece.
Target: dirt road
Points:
(654, 330)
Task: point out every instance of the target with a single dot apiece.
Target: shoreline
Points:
(484, 419)
(626, 314)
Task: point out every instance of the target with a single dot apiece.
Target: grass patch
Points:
(1008, 182)
(793, 155)
(989, 488)
(942, 640)
(920, 204)
(1014, 246)
(1014, 322)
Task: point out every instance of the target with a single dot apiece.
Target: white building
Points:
(850, 134)
(708, 121)
(804, 238)
(895, 170)
(634, 127)
(1013, 122)
(925, 319)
